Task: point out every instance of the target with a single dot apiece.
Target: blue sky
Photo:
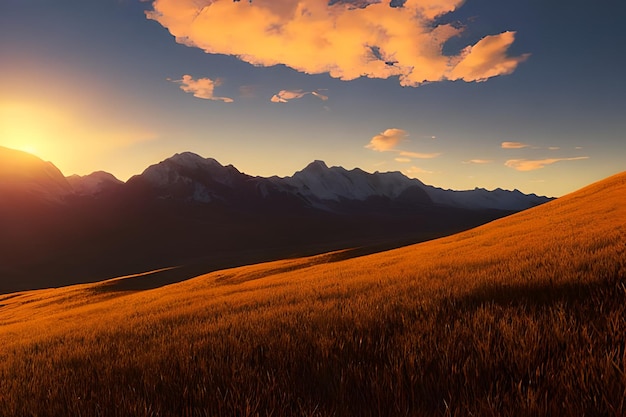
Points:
(100, 86)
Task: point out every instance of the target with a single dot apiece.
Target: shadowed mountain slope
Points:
(24, 177)
(524, 316)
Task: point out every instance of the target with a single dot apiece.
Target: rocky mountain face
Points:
(189, 177)
(192, 212)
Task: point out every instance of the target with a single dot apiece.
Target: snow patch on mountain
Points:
(188, 168)
(336, 183)
(190, 176)
(480, 198)
(93, 183)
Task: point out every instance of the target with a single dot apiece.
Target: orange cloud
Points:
(514, 145)
(478, 161)
(486, 59)
(201, 88)
(346, 39)
(413, 171)
(419, 155)
(531, 165)
(284, 96)
(387, 140)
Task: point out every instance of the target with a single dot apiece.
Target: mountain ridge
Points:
(194, 213)
(192, 177)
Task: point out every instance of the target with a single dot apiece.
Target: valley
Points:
(523, 316)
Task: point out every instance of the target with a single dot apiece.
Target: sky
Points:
(526, 95)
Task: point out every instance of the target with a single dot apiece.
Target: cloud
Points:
(487, 59)
(201, 88)
(284, 96)
(514, 145)
(553, 148)
(478, 161)
(531, 165)
(387, 140)
(347, 39)
(403, 160)
(419, 155)
(320, 96)
(416, 171)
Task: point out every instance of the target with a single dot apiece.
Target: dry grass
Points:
(525, 316)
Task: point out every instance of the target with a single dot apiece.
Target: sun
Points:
(23, 127)
(22, 138)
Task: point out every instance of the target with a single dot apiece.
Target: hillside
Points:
(524, 316)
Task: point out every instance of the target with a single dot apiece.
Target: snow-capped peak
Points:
(336, 183)
(192, 160)
(93, 183)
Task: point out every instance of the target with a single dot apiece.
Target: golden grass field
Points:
(524, 316)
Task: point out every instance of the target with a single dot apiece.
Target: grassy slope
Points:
(523, 316)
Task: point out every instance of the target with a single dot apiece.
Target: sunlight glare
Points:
(24, 127)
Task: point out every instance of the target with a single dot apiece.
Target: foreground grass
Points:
(525, 316)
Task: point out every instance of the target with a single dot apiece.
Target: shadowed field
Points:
(525, 316)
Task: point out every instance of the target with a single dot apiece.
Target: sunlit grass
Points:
(525, 316)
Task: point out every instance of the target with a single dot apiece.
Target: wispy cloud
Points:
(478, 161)
(203, 88)
(319, 95)
(387, 140)
(553, 148)
(419, 155)
(284, 96)
(531, 165)
(413, 171)
(487, 59)
(346, 39)
(514, 145)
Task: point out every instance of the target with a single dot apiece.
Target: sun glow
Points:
(27, 127)
(73, 139)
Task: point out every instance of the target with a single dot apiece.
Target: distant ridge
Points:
(23, 175)
(194, 212)
(191, 177)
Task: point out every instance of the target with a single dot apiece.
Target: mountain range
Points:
(192, 211)
(192, 178)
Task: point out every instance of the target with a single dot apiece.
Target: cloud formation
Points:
(531, 165)
(347, 39)
(514, 145)
(478, 161)
(387, 140)
(416, 171)
(419, 155)
(201, 88)
(284, 96)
